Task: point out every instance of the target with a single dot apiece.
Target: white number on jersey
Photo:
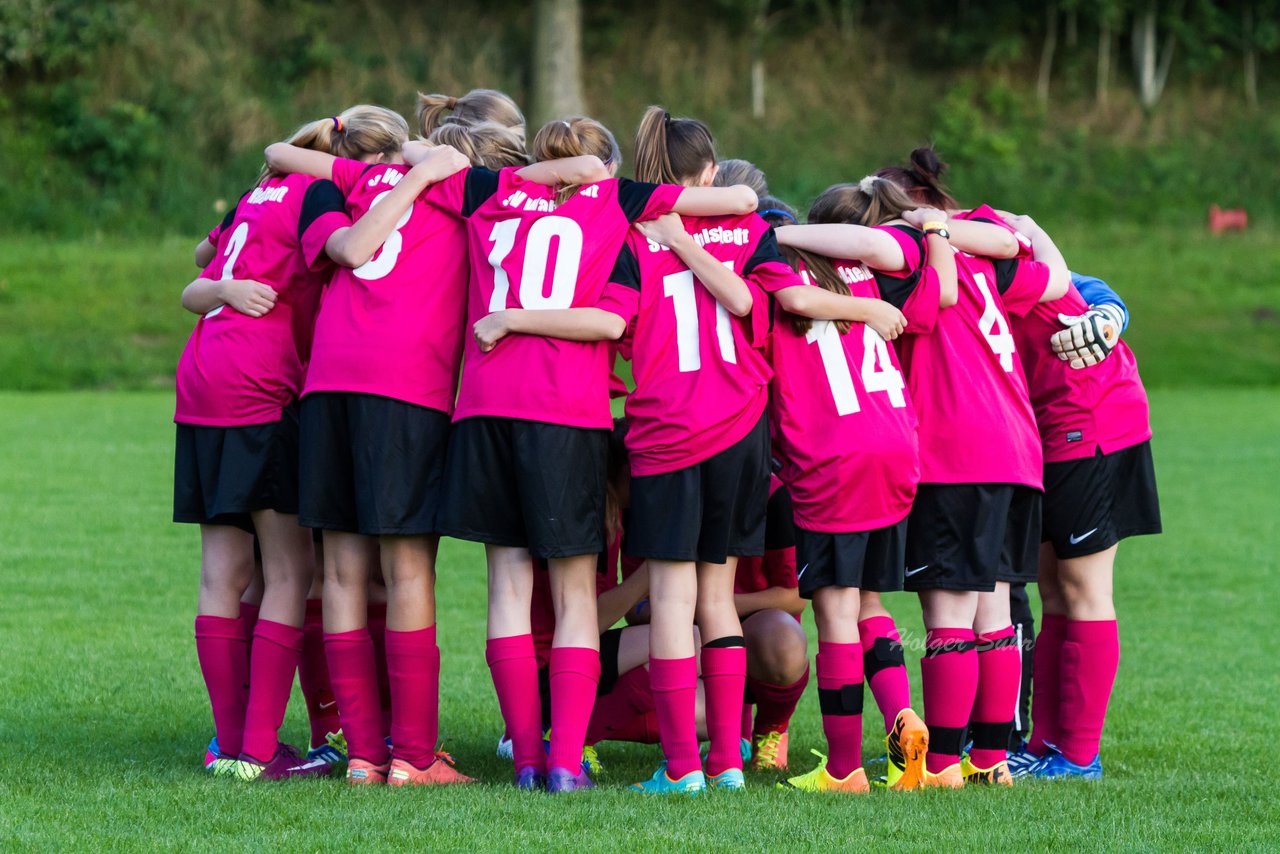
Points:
(537, 248)
(993, 325)
(680, 287)
(385, 262)
(878, 372)
(238, 239)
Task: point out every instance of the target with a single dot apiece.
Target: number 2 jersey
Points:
(701, 381)
(844, 424)
(529, 252)
(393, 326)
(976, 423)
(238, 370)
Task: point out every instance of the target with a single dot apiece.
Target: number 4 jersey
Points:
(702, 383)
(844, 423)
(529, 252)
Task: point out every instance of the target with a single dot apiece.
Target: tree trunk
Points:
(1046, 54)
(1104, 63)
(1144, 54)
(1250, 60)
(759, 29)
(1073, 27)
(557, 60)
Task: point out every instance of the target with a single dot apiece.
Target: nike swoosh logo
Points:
(802, 571)
(1080, 539)
(328, 705)
(911, 572)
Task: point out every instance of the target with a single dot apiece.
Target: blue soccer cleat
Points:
(1055, 766)
(530, 779)
(1023, 763)
(693, 783)
(728, 780)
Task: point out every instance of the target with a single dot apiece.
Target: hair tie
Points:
(338, 125)
(776, 212)
(868, 184)
(666, 117)
(566, 124)
(450, 102)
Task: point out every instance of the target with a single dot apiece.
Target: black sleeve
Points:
(626, 270)
(766, 250)
(779, 526)
(481, 185)
(1006, 272)
(633, 197)
(230, 217)
(896, 290)
(322, 197)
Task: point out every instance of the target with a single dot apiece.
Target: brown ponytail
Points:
(486, 144)
(478, 105)
(575, 136)
(672, 151)
(922, 180)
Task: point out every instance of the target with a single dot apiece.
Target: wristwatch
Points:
(938, 228)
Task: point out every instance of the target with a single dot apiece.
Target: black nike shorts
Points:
(1093, 503)
(969, 536)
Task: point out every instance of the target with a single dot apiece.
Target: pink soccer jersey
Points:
(845, 426)
(986, 213)
(976, 424)
(1080, 412)
(529, 252)
(238, 370)
(394, 326)
(701, 381)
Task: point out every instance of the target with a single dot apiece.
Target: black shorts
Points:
(371, 465)
(707, 511)
(969, 536)
(780, 523)
(527, 484)
(222, 474)
(868, 560)
(1093, 503)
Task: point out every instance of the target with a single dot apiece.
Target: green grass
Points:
(103, 716)
(104, 313)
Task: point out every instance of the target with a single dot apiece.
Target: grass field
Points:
(104, 313)
(103, 717)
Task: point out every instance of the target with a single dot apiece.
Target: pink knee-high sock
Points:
(994, 705)
(378, 634)
(775, 704)
(1090, 658)
(724, 679)
(224, 663)
(1045, 682)
(949, 678)
(575, 675)
(276, 650)
(354, 678)
(413, 668)
(313, 676)
(675, 700)
(885, 667)
(840, 688)
(514, 668)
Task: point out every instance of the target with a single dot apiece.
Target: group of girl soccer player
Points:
(402, 339)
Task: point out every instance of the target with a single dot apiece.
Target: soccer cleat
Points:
(333, 752)
(439, 773)
(818, 780)
(216, 762)
(363, 773)
(504, 747)
(562, 780)
(591, 761)
(285, 765)
(948, 778)
(996, 775)
(211, 754)
(770, 752)
(728, 780)
(1055, 766)
(1022, 763)
(660, 783)
(906, 746)
(530, 779)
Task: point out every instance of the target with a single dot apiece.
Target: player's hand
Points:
(887, 320)
(920, 216)
(441, 161)
(1089, 337)
(491, 329)
(667, 229)
(248, 297)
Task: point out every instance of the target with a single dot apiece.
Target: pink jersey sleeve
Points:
(910, 247)
(346, 173)
(921, 308)
(1021, 284)
(324, 211)
(641, 201)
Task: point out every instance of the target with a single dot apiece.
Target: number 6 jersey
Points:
(529, 252)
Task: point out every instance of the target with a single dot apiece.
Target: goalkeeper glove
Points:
(1089, 337)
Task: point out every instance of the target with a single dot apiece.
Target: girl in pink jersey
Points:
(976, 513)
(238, 381)
(526, 468)
(849, 452)
(375, 423)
